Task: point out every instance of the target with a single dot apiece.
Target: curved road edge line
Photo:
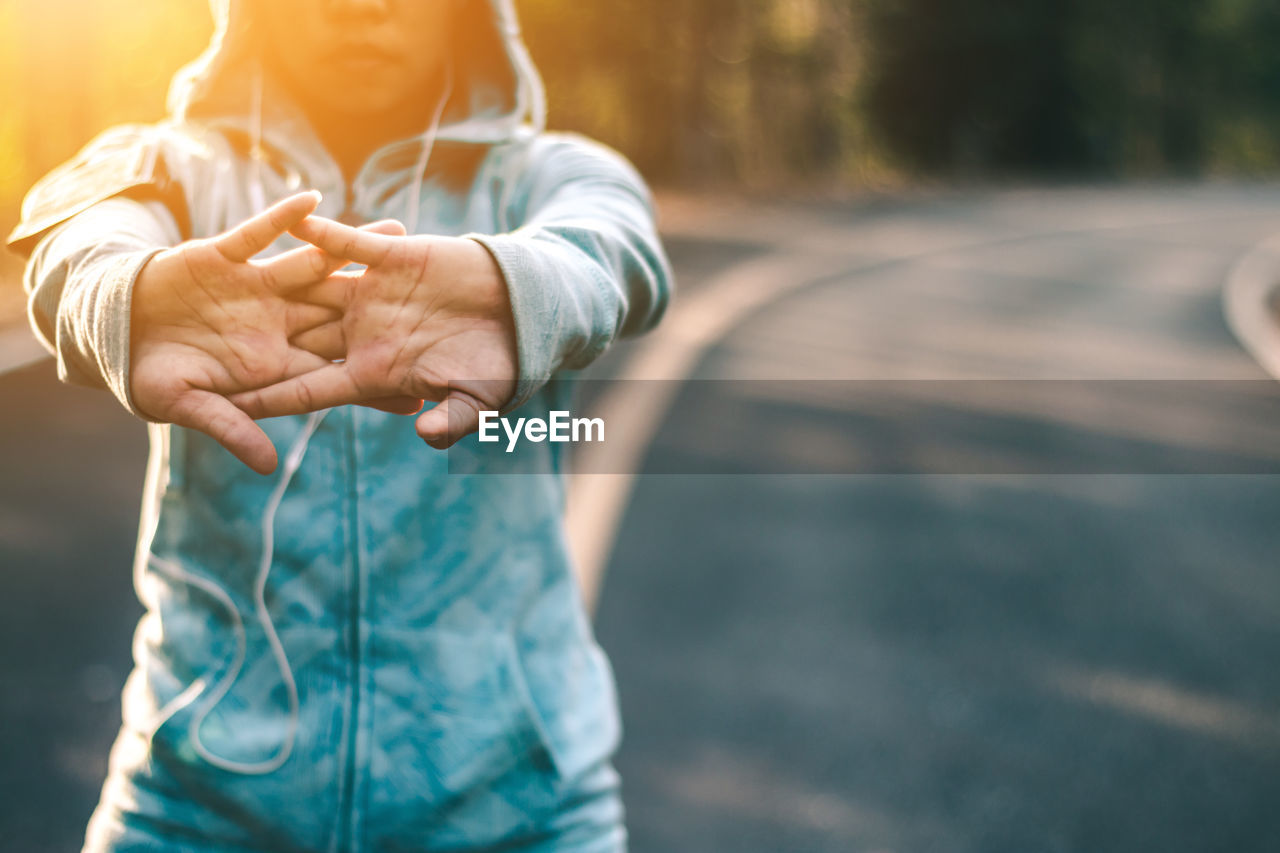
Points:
(635, 410)
(596, 502)
(1246, 303)
(19, 348)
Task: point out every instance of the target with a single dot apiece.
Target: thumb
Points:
(456, 417)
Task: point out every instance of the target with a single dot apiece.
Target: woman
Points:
(355, 649)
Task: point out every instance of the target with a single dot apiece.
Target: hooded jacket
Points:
(380, 646)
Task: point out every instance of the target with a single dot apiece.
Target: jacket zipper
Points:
(355, 669)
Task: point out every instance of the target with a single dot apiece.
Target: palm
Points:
(429, 318)
(228, 331)
(207, 321)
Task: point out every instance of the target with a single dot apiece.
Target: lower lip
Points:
(362, 64)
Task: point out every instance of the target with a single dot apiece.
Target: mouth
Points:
(361, 58)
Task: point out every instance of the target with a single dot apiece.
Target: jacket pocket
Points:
(572, 691)
(452, 716)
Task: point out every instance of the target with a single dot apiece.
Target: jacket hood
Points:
(497, 93)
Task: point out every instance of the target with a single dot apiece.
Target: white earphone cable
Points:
(292, 462)
(424, 156)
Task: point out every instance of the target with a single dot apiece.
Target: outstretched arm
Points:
(173, 329)
(79, 283)
(585, 265)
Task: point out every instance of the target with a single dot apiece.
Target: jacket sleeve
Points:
(79, 282)
(585, 264)
(87, 229)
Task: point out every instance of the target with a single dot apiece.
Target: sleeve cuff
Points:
(106, 326)
(535, 307)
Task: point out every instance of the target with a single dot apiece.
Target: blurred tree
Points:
(750, 91)
(767, 93)
(1119, 87)
(968, 87)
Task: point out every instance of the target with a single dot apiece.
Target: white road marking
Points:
(596, 502)
(1247, 303)
(19, 348)
(634, 409)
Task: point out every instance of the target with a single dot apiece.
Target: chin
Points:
(373, 102)
(367, 92)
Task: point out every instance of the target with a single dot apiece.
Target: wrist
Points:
(151, 294)
(114, 279)
(487, 282)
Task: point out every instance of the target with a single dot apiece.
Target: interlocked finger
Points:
(335, 292)
(299, 362)
(324, 388)
(301, 317)
(258, 232)
(297, 268)
(327, 341)
(343, 241)
(307, 265)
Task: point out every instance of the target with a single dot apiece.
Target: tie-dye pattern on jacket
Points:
(361, 651)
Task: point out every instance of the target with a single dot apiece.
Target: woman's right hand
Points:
(208, 321)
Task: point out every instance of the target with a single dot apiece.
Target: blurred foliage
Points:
(1118, 87)
(761, 92)
(766, 93)
(753, 92)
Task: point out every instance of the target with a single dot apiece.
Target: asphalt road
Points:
(830, 663)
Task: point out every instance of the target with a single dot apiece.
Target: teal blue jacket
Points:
(363, 650)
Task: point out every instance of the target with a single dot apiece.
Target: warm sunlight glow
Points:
(71, 68)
